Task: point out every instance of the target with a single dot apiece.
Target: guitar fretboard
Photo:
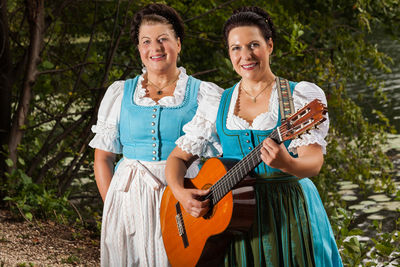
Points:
(238, 172)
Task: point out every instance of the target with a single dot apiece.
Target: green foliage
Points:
(73, 259)
(387, 244)
(353, 252)
(31, 200)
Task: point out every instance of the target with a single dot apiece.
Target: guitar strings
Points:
(225, 180)
(237, 169)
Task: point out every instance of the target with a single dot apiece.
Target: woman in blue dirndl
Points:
(291, 227)
(144, 119)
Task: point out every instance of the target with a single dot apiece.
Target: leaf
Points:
(47, 65)
(21, 161)
(9, 162)
(29, 216)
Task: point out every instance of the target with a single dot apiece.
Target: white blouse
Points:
(304, 92)
(200, 133)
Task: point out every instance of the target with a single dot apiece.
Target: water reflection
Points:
(391, 86)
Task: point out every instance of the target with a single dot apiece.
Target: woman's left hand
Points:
(275, 155)
(308, 163)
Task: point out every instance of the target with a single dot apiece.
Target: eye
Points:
(163, 39)
(146, 42)
(254, 45)
(235, 48)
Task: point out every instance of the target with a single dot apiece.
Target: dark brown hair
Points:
(250, 16)
(157, 13)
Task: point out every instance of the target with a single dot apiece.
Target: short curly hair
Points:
(250, 16)
(157, 13)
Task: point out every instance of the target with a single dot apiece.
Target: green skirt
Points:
(281, 234)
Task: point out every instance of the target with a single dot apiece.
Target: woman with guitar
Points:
(142, 118)
(291, 227)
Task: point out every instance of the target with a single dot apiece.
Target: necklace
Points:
(159, 89)
(254, 98)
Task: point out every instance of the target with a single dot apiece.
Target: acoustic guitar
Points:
(191, 241)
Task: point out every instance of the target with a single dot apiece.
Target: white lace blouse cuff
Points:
(200, 138)
(106, 138)
(307, 139)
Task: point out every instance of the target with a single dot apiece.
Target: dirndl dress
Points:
(291, 227)
(145, 132)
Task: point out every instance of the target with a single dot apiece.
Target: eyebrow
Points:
(157, 36)
(253, 41)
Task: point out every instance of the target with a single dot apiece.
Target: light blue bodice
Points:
(149, 132)
(238, 143)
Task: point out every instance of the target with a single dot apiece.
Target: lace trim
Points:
(106, 138)
(105, 128)
(199, 138)
(263, 121)
(198, 146)
(169, 101)
(305, 140)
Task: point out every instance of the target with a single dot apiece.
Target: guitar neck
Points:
(238, 172)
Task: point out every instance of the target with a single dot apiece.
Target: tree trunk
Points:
(36, 27)
(5, 86)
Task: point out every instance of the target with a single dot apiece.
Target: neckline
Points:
(226, 101)
(181, 79)
(234, 97)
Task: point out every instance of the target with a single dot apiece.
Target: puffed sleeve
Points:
(107, 126)
(304, 93)
(200, 136)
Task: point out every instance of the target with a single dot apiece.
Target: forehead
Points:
(244, 34)
(151, 29)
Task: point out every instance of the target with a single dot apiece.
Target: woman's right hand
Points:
(191, 201)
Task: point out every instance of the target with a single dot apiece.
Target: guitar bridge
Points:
(181, 225)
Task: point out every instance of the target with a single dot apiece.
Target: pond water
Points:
(379, 206)
(391, 86)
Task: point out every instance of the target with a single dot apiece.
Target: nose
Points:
(156, 46)
(246, 53)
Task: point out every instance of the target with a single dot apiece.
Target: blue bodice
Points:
(149, 132)
(238, 143)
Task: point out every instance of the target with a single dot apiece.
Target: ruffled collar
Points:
(176, 99)
(263, 121)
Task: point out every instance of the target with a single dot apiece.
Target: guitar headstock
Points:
(303, 120)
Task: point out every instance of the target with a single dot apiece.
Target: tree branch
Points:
(209, 11)
(46, 147)
(36, 23)
(5, 85)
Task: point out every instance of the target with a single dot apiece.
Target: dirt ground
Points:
(25, 244)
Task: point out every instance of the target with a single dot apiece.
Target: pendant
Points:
(159, 92)
(254, 99)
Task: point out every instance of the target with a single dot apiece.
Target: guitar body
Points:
(202, 239)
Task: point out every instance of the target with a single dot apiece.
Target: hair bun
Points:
(166, 12)
(260, 12)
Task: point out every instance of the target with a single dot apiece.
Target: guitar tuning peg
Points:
(316, 127)
(299, 136)
(308, 131)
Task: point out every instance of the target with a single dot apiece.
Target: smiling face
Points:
(249, 52)
(158, 47)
